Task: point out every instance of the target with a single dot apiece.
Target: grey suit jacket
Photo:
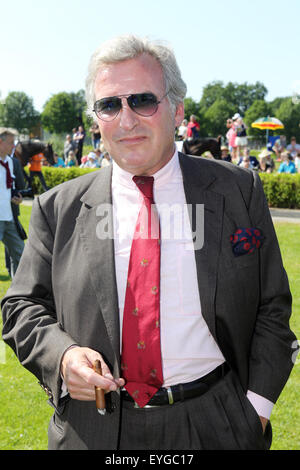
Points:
(65, 291)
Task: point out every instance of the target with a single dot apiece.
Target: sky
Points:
(46, 45)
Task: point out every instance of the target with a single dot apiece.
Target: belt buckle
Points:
(146, 406)
(170, 399)
(170, 395)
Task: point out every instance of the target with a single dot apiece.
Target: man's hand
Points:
(264, 422)
(78, 374)
(17, 199)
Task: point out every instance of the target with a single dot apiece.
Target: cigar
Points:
(99, 392)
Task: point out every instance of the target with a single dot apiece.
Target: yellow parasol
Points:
(268, 123)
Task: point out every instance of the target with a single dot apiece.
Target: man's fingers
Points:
(92, 378)
(77, 367)
(120, 382)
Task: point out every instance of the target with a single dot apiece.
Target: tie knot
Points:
(145, 185)
(5, 164)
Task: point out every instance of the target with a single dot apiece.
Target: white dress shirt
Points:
(5, 193)
(189, 351)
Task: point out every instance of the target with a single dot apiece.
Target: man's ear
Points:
(179, 114)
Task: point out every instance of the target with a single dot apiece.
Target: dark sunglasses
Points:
(144, 104)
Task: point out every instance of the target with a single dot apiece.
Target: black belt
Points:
(180, 392)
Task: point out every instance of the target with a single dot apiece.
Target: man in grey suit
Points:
(225, 303)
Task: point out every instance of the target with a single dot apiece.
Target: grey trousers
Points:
(221, 419)
(14, 244)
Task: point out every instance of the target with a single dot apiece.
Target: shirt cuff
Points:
(64, 389)
(262, 405)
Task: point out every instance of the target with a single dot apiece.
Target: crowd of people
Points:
(236, 149)
(73, 148)
(238, 152)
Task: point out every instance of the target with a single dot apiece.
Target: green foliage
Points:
(18, 112)
(289, 114)
(282, 190)
(86, 120)
(216, 115)
(258, 109)
(87, 149)
(211, 92)
(245, 94)
(275, 104)
(219, 102)
(54, 176)
(239, 96)
(63, 111)
(59, 114)
(191, 107)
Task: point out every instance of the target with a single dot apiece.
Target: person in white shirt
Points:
(8, 231)
(182, 130)
(92, 161)
(224, 304)
(106, 160)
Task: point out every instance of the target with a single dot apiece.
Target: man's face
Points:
(7, 145)
(139, 145)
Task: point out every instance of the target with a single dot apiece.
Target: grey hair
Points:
(128, 47)
(6, 131)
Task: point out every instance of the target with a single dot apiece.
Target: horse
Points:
(200, 145)
(26, 149)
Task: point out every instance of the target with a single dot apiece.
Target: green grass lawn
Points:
(24, 413)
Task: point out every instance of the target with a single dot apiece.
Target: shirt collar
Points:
(167, 174)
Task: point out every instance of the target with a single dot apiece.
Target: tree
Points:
(216, 116)
(17, 111)
(243, 95)
(63, 111)
(258, 109)
(191, 107)
(79, 103)
(211, 92)
(275, 104)
(240, 96)
(289, 115)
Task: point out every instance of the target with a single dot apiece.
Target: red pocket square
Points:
(246, 240)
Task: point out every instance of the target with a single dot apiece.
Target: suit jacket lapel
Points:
(197, 180)
(95, 216)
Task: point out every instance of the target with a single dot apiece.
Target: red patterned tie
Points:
(9, 180)
(141, 353)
